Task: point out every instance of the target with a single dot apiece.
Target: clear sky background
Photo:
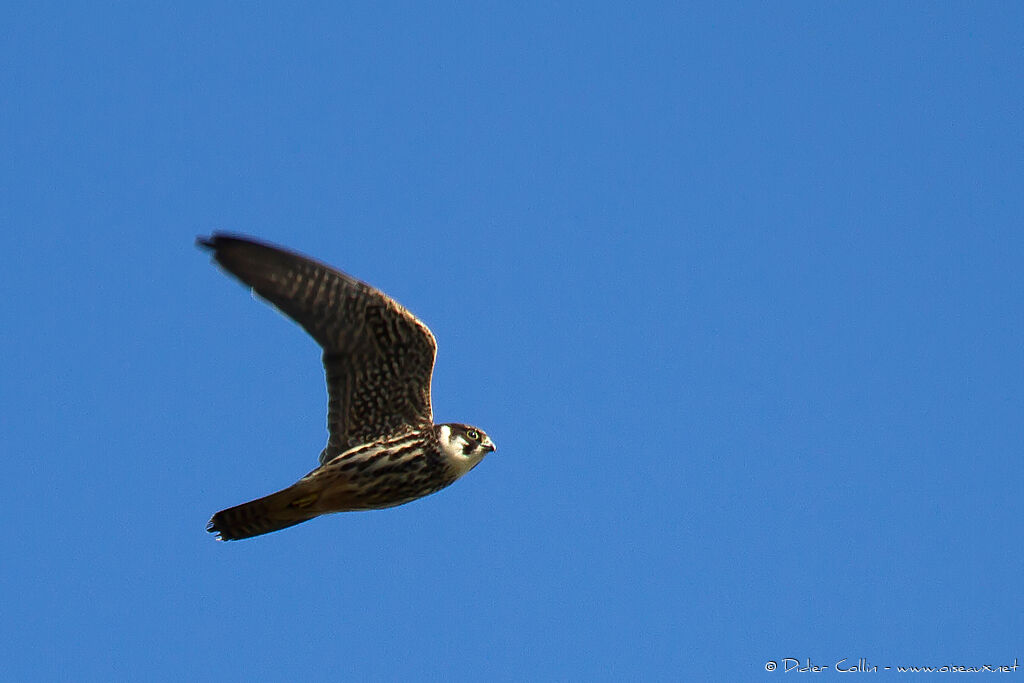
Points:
(736, 288)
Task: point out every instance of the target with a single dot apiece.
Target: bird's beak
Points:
(490, 447)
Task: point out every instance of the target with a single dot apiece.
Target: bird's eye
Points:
(473, 434)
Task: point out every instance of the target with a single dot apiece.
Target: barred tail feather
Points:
(261, 516)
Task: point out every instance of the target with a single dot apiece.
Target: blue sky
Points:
(736, 289)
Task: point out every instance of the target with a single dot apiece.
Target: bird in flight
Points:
(383, 447)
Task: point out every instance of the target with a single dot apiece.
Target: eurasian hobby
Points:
(383, 447)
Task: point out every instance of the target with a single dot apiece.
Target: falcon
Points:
(383, 447)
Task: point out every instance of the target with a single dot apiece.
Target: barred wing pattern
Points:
(378, 357)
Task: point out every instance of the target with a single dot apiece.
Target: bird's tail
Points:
(280, 510)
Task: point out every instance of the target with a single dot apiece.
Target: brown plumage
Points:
(383, 448)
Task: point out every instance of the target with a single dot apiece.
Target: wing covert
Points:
(378, 358)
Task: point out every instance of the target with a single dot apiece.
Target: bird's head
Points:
(463, 446)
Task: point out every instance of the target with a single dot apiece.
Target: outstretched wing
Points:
(377, 356)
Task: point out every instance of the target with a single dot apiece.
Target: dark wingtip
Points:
(219, 241)
(211, 527)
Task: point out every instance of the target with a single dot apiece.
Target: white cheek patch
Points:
(461, 461)
(453, 445)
